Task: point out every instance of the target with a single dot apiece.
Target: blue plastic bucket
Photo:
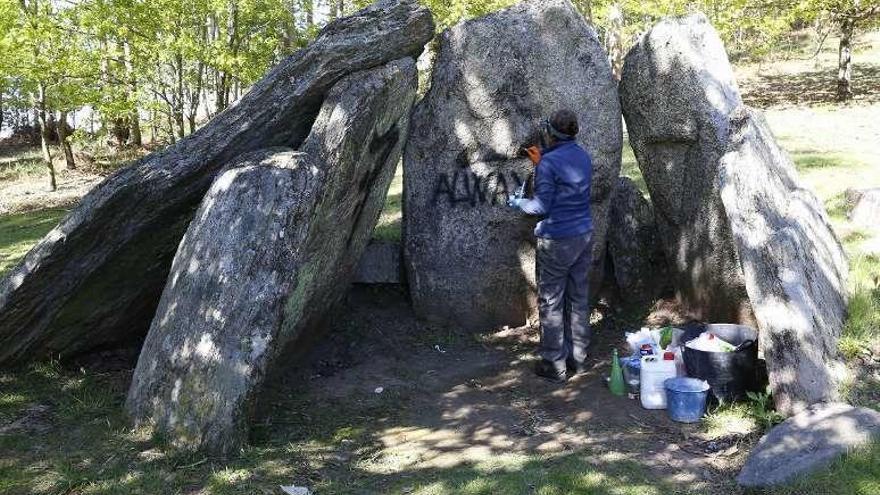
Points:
(686, 399)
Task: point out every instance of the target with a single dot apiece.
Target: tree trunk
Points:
(43, 122)
(844, 61)
(133, 118)
(1, 111)
(178, 99)
(64, 132)
(120, 131)
(136, 138)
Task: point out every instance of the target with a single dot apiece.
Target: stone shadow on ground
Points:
(457, 409)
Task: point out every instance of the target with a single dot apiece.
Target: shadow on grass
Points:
(811, 87)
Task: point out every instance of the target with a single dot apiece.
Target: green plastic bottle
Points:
(616, 384)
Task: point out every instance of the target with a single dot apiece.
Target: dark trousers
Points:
(564, 298)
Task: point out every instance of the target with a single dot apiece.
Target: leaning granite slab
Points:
(808, 442)
(794, 267)
(746, 241)
(273, 246)
(95, 280)
(470, 259)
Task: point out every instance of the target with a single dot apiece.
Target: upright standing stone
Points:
(469, 258)
(634, 248)
(95, 279)
(273, 246)
(746, 241)
(677, 92)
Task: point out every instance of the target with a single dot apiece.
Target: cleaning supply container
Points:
(686, 399)
(655, 371)
(730, 374)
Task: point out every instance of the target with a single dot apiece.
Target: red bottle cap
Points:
(669, 356)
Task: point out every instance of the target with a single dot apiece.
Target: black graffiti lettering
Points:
(469, 188)
(466, 181)
(443, 187)
(501, 190)
(481, 187)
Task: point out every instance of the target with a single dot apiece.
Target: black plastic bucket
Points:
(730, 374)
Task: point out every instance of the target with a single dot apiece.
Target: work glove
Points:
(534, 154)
(515, 203)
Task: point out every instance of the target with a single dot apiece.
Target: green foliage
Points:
(761, 409)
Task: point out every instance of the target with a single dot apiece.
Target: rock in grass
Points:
(746, 242)
(864, 211)
(273, 246)
(634, 246)
(808, 442)
(469, 258)
(95, 280)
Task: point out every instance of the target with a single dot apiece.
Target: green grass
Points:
(389, 224)
(19, 163)
(19, 233)
(856, 474)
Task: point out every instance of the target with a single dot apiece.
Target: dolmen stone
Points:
(864, 211)
(469, 258)
(746, 241)
(634, 249)
(808, 442)
(381, 263)
(795, 269)
(677, 92)
(95, 280)
(273, 246)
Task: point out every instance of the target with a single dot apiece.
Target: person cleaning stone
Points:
(564, 245)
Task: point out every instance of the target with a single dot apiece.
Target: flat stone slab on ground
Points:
(807, 442)
(380, 264)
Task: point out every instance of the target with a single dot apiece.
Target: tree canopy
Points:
(118, 65)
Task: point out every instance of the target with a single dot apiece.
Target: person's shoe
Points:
(548, 371)
(577, 368)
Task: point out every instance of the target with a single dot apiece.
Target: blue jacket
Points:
(562, 192)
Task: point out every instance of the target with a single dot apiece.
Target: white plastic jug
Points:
(655, 371)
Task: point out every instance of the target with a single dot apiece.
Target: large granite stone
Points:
(273, 246)
(95, 280)
(808, 442)
(469, 258)
(794, 268)
(746, 242)
(634, 249)
(677, 93)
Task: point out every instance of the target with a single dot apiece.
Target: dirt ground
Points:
(449, 400)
